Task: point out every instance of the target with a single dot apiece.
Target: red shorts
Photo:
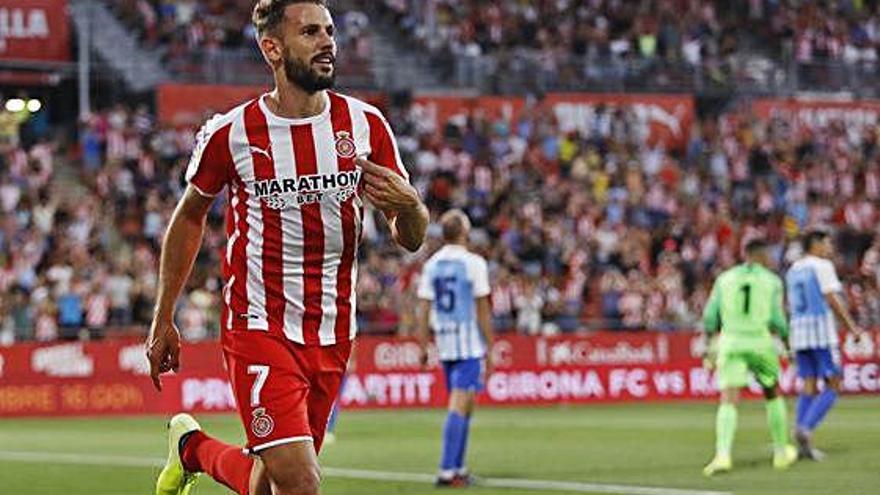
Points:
(284, 390)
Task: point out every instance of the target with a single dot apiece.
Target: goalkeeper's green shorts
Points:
(734, 368)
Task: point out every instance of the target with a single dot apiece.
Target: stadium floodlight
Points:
(34, 105)
(15, 105)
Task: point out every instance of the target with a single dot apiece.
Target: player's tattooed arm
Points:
(391, 193)
(179, 250)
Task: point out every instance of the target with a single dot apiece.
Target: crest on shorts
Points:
(344, 145)
(262, 424)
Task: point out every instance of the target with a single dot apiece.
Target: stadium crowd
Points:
(193, 33)
(603, 228)
(551, 44)
(596, 229)
(669, 29)
(664, 42)
(849, 32)
(583, 231)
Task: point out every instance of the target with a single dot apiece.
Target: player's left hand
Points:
(385, 189)
(163, 350)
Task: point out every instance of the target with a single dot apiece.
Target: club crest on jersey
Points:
(345, 147)
(262, 424)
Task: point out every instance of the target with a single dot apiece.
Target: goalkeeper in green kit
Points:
(745, 306)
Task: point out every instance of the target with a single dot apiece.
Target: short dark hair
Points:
(813, 237)
(755, 246)
(268, 14)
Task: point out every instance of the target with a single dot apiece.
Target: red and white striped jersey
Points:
(294, 214)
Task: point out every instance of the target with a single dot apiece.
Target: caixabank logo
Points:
(586, 353)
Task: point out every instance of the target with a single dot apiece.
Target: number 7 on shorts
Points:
(262, 372)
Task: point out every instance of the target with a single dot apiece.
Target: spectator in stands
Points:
(11, 120)
(504, 295)
(69, 304)
(529, 305)
(46, 321)
(119, 286)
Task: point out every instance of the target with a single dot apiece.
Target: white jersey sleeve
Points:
(827, 275)
(480, 276)
(426, 288)
(211, 160)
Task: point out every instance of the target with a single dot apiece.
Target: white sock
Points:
(447, 474)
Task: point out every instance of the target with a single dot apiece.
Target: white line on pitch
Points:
(363, 474)
(83, 459)
(525, 484)
(578, 487)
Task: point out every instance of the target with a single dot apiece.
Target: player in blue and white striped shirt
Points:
(454, 293)
(813, 300)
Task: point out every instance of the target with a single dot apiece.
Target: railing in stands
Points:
(525, 71)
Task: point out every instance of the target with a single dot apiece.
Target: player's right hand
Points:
(163, 349)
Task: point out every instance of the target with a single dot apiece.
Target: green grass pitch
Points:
(653, 445)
